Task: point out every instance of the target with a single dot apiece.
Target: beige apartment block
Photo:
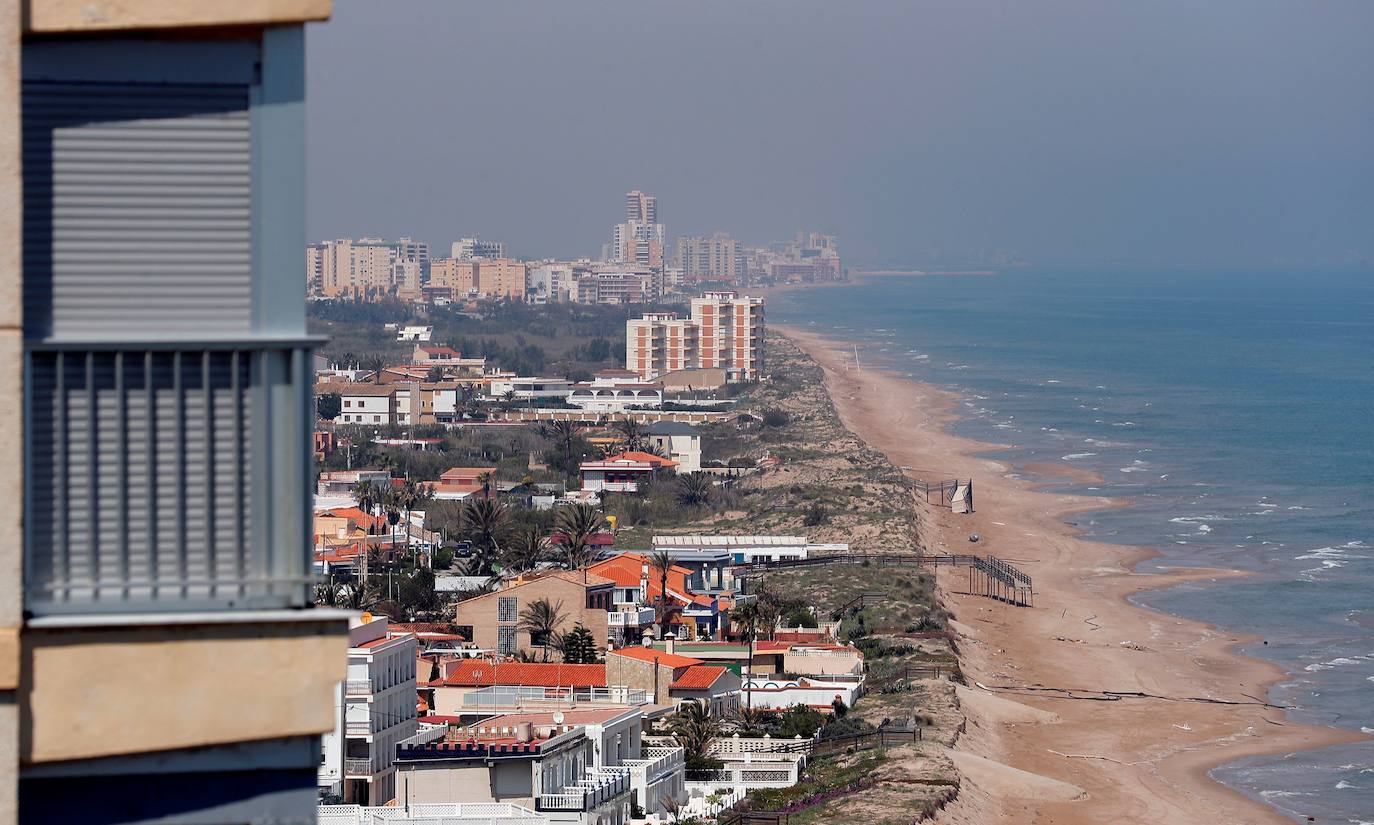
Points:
(725, 331)
(160, 659)
(501, 278)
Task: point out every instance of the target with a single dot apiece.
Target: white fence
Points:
(461, 813)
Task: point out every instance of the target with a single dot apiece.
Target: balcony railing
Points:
(357, 767)
(600, 785)
(358, 687)
(167, 476)
(455, 813)
(656, 764)
(638, 617)
(514, 696)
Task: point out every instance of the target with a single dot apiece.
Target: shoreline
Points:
(1144, 760)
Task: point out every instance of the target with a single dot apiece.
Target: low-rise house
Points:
(710, 570)
(780, 693)
(368, 404)
(477, 686)
(680, 442)
(529, 388)
(627, 472)
(615, 396)
(375, 710)
(823, 660)
(670, 678)
(458, 483)
(749, 549)
(585, 765)
(492, 620)
(342, 482)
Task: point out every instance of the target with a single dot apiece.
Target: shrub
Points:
(775, 418)
(815, 515)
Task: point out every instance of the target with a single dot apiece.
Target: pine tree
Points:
(579, 648)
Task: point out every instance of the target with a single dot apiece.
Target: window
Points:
(506, 610)
(505, 640)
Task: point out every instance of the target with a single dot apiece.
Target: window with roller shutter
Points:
(166, 448)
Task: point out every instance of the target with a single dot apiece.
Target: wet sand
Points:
(1067, 760)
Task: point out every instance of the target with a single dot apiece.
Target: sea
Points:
(1234, 408)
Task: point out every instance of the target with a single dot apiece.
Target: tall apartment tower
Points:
(715, 257)
(469, 248)
(640, 239)
(641, 207)
(725, 331)
(160, 656)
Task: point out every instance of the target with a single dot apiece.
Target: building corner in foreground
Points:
(160, 657)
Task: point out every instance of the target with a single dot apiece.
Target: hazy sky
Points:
(1200, 132)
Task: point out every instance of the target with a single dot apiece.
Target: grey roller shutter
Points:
(137, 210)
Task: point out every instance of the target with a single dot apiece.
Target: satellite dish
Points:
(558, 717)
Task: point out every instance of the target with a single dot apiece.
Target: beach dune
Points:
(1046, 742)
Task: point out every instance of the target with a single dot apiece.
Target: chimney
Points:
(644, 582)
(670, 643)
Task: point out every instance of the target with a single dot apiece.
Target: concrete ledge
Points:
(51, 16)
(103, 690)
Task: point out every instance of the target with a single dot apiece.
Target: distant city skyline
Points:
(1210, 134)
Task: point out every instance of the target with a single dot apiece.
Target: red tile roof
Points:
(626, 568)
(698, 677)
(644, 654)
(482, 673)
(637, 455)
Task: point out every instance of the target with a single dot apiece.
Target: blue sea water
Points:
(1235, 408)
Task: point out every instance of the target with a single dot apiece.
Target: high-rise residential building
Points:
(501, 278)
(160, 656)
(640, 239)
(725, 331)
(715, 257)
(450, 273)
(469, 248)
(641, 207)
(549, 282)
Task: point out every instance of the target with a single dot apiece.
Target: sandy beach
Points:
(1031, 753)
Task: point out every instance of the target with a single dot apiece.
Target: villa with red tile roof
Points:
(670, 678)
(493, 619)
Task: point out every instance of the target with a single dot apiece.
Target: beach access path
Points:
(1035, 756)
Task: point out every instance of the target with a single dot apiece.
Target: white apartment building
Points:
(725, 331)
(602, 395)
(368, 404)
(468, 248)
(747, 549)
(528, 388)
(375, 711)
(549, 282)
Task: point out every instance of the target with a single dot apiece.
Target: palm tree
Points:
(541, 619)
(524, 550)
(695, 728)
(563, 433)
(484, 518)
(745, 616)
(662, 561)
(694, 489)
(375, 364)
(633, 433)
(412, 493)
(366, 496)
(747, 720)
(576, 525)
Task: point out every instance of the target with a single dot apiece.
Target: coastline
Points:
(1033, 755)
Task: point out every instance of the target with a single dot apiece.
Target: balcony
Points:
(358, 687)
(357, 767)
(510, 697)
(657, 764)
(635, 617)
(601, 785)
(167, 476)
(454, 813)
